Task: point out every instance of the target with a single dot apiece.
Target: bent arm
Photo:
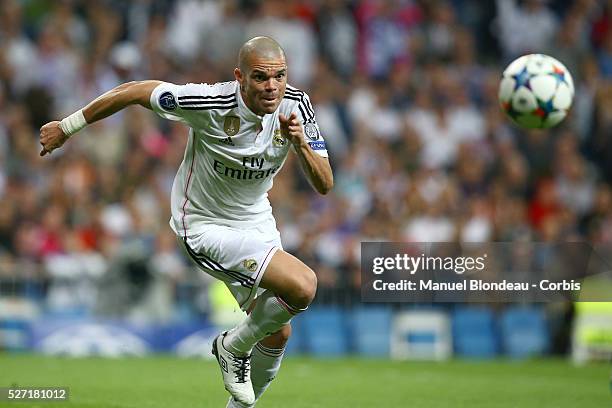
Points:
(54, 134)
(317, 168)
(129, 93)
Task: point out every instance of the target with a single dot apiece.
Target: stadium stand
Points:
(421, 335)
(474, 332)
(325, 331)
(524, 332)
(370, 330)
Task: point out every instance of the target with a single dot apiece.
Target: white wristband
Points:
(73, 123)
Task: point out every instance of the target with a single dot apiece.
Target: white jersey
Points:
(232, 154)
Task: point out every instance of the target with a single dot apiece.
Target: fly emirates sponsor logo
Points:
(252, 169)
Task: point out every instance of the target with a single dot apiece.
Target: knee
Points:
(304, 289)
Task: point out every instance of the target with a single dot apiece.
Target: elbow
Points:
(326, 186)
(326, 182)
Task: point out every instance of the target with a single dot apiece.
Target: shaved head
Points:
(259, 48)
(262, 74)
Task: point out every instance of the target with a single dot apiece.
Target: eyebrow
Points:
(259, 71)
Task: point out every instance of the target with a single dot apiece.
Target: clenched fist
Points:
(291, 129)
(51, 137)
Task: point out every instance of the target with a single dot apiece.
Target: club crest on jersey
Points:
(231, 125)
(250, 265)
(311, 131)
(167, 101)
(277, 139)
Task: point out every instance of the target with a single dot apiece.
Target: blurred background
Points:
(405, 93)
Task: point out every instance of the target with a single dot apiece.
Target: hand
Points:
(291, 128)
(51, 137)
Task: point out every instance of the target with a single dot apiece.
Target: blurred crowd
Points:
(405, 93)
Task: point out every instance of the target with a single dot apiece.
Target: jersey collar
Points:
(244, 110)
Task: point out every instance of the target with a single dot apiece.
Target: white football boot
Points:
(236, 372)
(231, 403)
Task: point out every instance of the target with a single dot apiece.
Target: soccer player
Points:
(240, 135)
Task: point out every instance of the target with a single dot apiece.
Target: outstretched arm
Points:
(54, 134)
(317, 168)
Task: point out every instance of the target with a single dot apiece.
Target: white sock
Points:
(269, 315)
(265, 363)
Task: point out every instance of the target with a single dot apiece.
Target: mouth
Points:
(269, 99)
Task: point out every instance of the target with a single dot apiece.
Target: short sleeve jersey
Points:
(232, 153)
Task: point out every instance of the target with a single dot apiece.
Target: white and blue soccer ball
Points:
(536, 91)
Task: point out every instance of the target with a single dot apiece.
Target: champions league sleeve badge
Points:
(311, 131)
(167, 101)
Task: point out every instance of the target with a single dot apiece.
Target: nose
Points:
(270, 85)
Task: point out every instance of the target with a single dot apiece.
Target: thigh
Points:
(286, 272)
(238, 257)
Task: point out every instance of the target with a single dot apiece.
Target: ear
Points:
(238, 75)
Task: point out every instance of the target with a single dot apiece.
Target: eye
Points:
(281, 75)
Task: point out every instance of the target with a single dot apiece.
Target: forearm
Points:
(317, 168)
(118, 98)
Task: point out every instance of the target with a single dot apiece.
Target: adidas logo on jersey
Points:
(228, 141)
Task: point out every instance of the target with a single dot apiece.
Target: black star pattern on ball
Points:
(521, 79)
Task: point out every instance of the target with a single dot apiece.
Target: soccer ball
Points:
(536, 91)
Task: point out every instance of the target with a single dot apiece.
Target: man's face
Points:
(263, 84)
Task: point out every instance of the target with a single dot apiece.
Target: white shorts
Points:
(237, 256)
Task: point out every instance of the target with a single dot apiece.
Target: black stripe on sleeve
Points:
(299, 106)
(293, 98)
(309, 107)
(307, 117)
(209, 107)
(184, 97)
(294, 94)
(304, 103)
(208, 102)
(294, 89)
(302, 112)
(304, 100)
